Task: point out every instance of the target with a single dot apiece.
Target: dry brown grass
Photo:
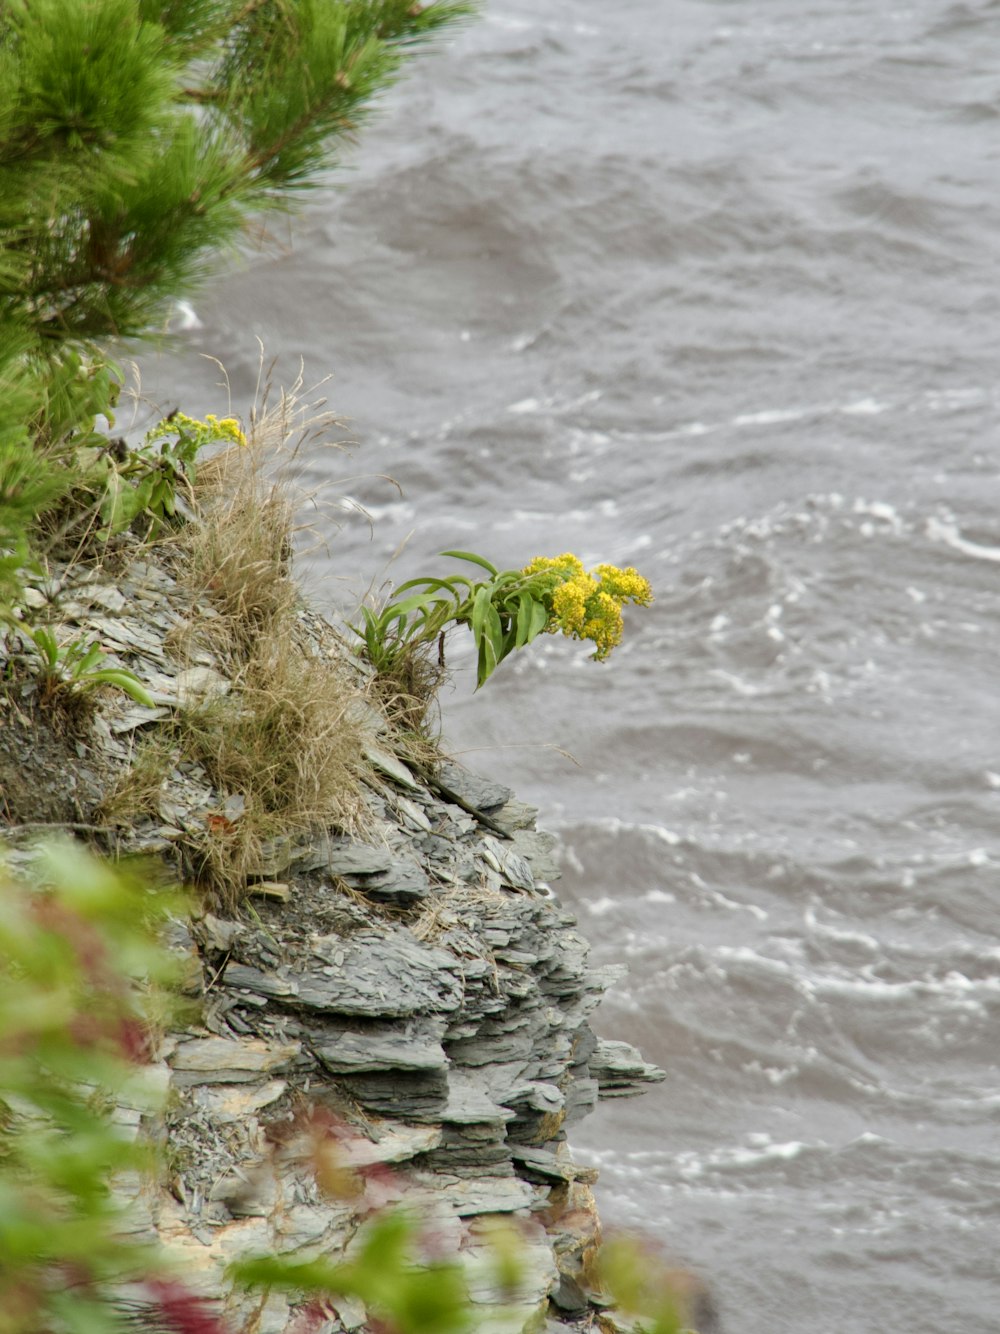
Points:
(407, 695)
(285, 738)
(141, 784)
(236, 557)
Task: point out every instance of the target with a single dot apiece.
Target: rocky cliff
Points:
(411, 991)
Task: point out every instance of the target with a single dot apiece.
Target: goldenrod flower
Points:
(226, 429)
(627, 585)
(566, 566)
(210, 431)
(604, 625)
(586, 606)
(569, 604)
(551, 594)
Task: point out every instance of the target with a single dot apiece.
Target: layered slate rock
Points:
(413, 1005)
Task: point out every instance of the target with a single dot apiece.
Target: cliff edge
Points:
(393, 975)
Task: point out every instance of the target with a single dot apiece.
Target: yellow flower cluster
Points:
(212, 430)
(226, 429)
(589, 606)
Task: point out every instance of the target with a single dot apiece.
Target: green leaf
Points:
(478, 618)
(287, 1274)
(539, 620)
(525, 607)
(494, 631)
(122, 503)
(491, 649)
(162, 500)
(93, 655)
(84, 1314)
(432, 583)
(476, 560)
(122, 679)
(395, 610)
(45, 642)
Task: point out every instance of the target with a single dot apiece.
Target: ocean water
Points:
(713, 289)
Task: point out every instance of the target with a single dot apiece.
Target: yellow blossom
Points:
(567, 565)
(626, 585)
(569, 604)
(210, 431)
(582, 605)
(604, 624)
(226, 429)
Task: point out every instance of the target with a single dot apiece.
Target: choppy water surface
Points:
(713, 289)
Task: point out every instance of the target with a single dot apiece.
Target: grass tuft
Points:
(142, 783)
(285, 738)
(407, 693)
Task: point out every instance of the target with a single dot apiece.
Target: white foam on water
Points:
(524, 406)
(611, 824)
(758, 1151)
(735, 683)
(396, 511)
(775, 1075)
(591, 396)
(754, 909)
(954, 399)
(184, 317)
(954, 987)
(659, 896)
(774, 416)
(864, 407)
(868, 1137)
(743, 954)
(599, 907)
(939, 530)
(517, 517)
(508, 22)
(879, 509)
(840, 935)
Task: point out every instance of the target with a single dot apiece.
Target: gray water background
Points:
(712, 289)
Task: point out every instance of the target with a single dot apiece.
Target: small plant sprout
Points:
(510, 608)
(76, 668)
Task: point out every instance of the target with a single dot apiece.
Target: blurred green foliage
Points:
(84, 988)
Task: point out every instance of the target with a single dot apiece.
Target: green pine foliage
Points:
(137, 138)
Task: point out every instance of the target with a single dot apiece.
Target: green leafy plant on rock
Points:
(504, 612)
(148, 481)
(77, 667)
